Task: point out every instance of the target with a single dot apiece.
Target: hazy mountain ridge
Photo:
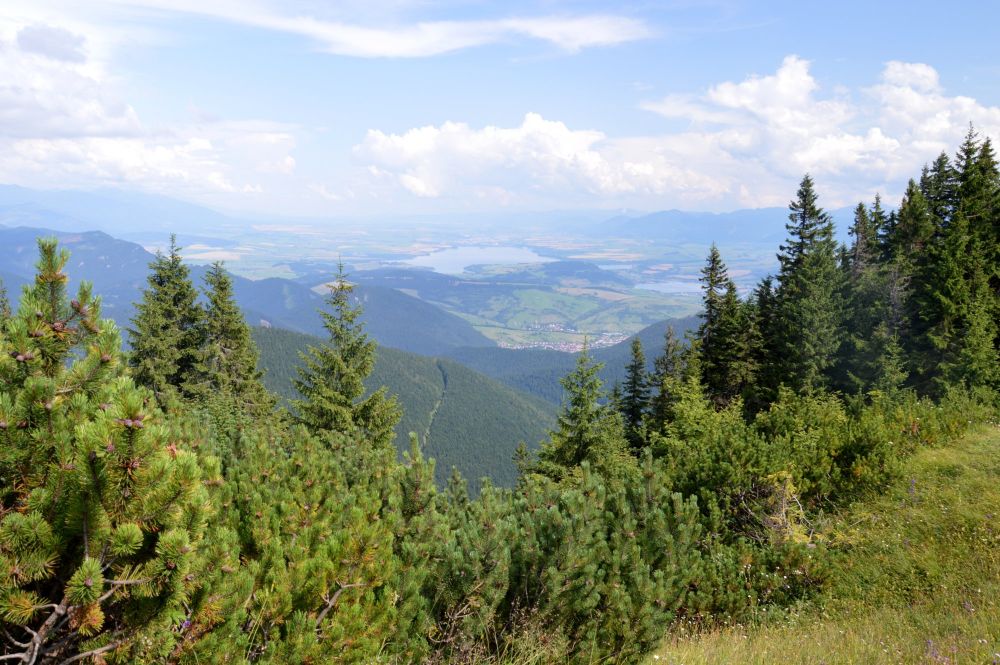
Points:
(118, 269)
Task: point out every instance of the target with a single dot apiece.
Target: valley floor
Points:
(917, 580)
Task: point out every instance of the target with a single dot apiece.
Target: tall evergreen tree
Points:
(869, 350)
(635, 396)
(765, 347)
(938, 185)
(809, 294)
(168, 331)
(715, 284)
(953, 305)
(668, 373)
(230, 353)
(331, 380)
(733, 353)
(864, 246)
(586, 429)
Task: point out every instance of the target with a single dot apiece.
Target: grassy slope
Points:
(918, 580)
(470, 421)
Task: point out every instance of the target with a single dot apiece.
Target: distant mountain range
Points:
(118, 270)
(748, 226)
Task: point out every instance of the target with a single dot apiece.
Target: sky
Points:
(305, 108)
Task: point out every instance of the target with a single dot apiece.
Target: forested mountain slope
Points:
(465, 420)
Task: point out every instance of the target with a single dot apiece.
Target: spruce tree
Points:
(809, 295)
(586, 429)
(864, 245)
(102, 512)
(734, 341)
(953, 305)
(668, 371)
(331, 380)
(635, 396)
(765, 349)
(938, 185)
(869, 350)
(168, 331)
(230, 355)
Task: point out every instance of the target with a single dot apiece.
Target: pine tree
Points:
(230, 353)
(102, 512)
(331, 381)
(808, 295)
(635, 397)
(168, 332)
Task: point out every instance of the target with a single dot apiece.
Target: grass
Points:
(916, 576)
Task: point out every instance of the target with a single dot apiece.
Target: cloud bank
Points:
(746, 144)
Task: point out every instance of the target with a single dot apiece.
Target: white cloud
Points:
(747, 144)
(538, 158)
(389, 36)
(63, 123)
(55, 43)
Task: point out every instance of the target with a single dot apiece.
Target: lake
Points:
(454, 261)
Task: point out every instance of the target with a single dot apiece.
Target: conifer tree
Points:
(586, 429)
(952, 305)
(230, 353)
(735, 366)
(101, 512)
(331, 381)
(168, 331)
(714, 278)
(809, 295)
(871, 322)
(938, 185)
(914, 228)
(669, 370)
(765, 347)
(635, 396)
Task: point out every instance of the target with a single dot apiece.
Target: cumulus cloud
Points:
(538, 156)
(746, 144)
(783, 124)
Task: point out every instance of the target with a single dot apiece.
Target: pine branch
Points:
(93, 652)
(330, 602)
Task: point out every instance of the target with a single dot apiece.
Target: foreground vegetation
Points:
(915, 578)
(158, 507)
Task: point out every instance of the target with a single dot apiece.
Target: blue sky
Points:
(313, 108)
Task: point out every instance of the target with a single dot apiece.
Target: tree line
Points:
(155, 505)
